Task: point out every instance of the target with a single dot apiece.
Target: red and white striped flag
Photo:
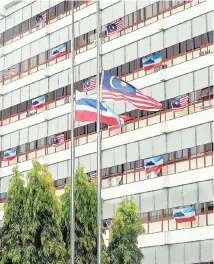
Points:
(89, 84)
(10, 71)
(180, 103)
(56, 141)
(114, 27)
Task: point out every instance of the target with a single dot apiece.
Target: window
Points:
(1, 39)
(140, 15)
(176, 49)
(204, 39)
(149, 11)
(23, 107)
(168, 52)
(91, 128)
(24, 66)
(210, 206)
(179, 154)
(158, 215)
(41, 143)
(51, 96)
(6, 113)
(91, 36)
(166, 213)
(61, 8)
(22, 149)
(52, 12)
(33, 62)
(170, 156)
(210, 37)
(201, 208)
(193, 152)
(196, 41)
(144, 217)
(8, 34)
(152, 216)
(81, 130)
(59, 182)
(16, 30)
(59, 93)
(25, 26)
(189, 45)
(200, 150)
(42, 58)
(208, 147)
(163, 5)
(113, 170)
(33, 22)
(31, 145)
(14, 109)
(176, 2)
(128, 21)
(82, 40)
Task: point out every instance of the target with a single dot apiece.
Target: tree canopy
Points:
(85, 219)
(124, 232)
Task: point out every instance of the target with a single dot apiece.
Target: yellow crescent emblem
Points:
(111, 82)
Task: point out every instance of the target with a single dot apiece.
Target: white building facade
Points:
(182, 31)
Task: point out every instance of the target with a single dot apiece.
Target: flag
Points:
(10, 71)
(184, 214)
(152, 61)
(89, 84)
(86, 110)
(114, 27)
(107, 222)
(153, 164)
(56, 141)
(58, 52)
(115, 89)
(41, 19)
(93, 176)
(9, 154)
(38, 103)
(180, 103)
(123, 119)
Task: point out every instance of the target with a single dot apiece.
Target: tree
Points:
(11, 241)
(43, 241)
(124, 231)
(85, 220)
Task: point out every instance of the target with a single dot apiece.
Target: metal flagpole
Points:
(72, 209)
(99, 226)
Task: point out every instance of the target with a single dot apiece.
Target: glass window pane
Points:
(51, 96)
(23, 107)
(41, 143)
(52, 12)
(6, 112)
(176, 49)
(196, 42)
(33, 62)
(91, 36)
(210, 37)
(193, 152)
(24, 66)
(33, 22)
(22, 149)
(92, 128)
(61, 8)
(59, 93)
(17, 30)
(204, 39)
(1, 39)
(168, 52)
(31, 145)
(42, 58)
(82, 40)
(182, 47)
(208, 147)
(155, 9)
(149, 11)
(140, 14)
(14, 109)
(179, 154)
(189, 44)
(25, 26)
(9, 34)
(81, 130)
(200, 150)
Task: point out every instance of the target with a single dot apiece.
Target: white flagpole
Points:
(72, 209)
(99, 204)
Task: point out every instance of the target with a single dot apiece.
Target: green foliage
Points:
(85, 220)
(43, 241)
(31, 231)
(124, 231)
(11, 242)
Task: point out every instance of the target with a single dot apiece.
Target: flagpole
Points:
(72, 209)
(99, 204)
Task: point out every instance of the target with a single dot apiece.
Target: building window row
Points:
(31, 25)
(47, 58)
(64, 8)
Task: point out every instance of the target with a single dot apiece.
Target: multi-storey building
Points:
(182, 31)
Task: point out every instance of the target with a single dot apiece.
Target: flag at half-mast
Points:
(86, 110)
(115, 89)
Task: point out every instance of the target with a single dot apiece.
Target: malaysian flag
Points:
(10, 71)
(117, 90)
(41, 19)
(56, 141)
(180, 103)
(89, 84)
(114, 27)
(93, 176)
